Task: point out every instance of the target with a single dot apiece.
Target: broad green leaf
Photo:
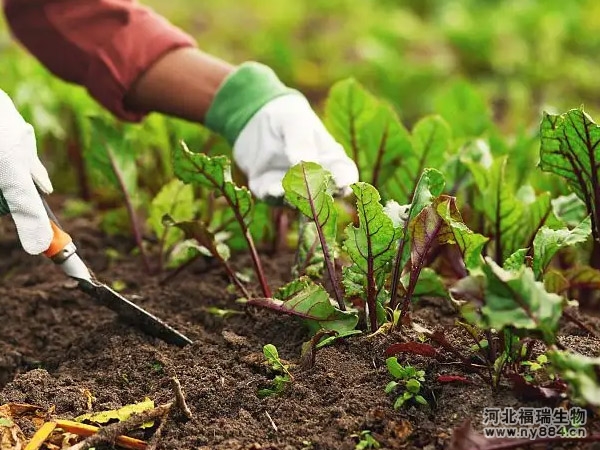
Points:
(309, 188)
(368, 129)
(464, 109)
(215, 173)
(310, 259)
(413, 386)
(569, 149)
(272, 356)
(120, 414)
(394, 368)
(429, 284)
(470, 244)
(112, 156)
(569, 209)
(555, 282)
(430, 185)
(372, 245)
(175, 199)
(516, 260)
(430, 141)
(195, 229)
(583, 277)
(513, 217)
(548, 242)
(582, 373)
(311, 302)
(516, 300)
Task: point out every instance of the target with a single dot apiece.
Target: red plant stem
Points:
(135, 225)
(260, 273)
(371, 293)
(328, 259)
(396, 274)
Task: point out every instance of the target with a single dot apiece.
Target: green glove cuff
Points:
(240, 96)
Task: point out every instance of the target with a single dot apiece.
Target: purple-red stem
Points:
(135, 225)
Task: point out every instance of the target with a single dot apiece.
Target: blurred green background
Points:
(521, 57)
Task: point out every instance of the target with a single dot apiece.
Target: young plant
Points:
(215, 173)
(365, 441)
(283, 376)
(407, 381)
(115, 160)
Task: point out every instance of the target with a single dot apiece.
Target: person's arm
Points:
(133, 61)
(130, 59)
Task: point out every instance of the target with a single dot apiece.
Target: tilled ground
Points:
(55, 344)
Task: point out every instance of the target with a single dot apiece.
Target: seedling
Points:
(365, 441)
(283, 376)
(407, 381)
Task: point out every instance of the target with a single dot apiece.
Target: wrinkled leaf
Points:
(371, 246)
(368, 129)
(548, 242)
(515, 299)
(215, 173)
(470, 244)
(516, 260)
(582, 373)
(175, 199)
(309, 188)
(306, 300)
(120, 414)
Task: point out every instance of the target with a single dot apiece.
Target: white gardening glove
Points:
(273, 128)
(20, 168)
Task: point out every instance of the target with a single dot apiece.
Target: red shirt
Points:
(104, 45)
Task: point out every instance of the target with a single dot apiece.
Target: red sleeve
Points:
(104, 45)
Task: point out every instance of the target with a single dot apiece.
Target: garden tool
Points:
(62, 251)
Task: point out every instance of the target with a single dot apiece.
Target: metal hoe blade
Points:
(133, 314)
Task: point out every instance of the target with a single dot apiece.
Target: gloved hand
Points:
(273, 128)
(20, 168)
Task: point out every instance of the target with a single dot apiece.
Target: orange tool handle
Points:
(60, 240)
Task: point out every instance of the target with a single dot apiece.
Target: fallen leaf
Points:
(120, 414)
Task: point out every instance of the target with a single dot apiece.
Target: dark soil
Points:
(55, 344)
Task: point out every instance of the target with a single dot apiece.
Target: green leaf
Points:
(465, 110)
(215, 173)
(429, 284)
(399, 402)
(272, 356)
(430, 142)
(310, 259)
(390, 386)
(309, 188)
(394, 367)
(570, 209)
(371, 246)
(413, 386)
(548, 242)
(368, 129)
(175, 199)
(516, 260)
(331, 339)
(311, 302)
(514, 299)
(120, 414)
(470, 244)
(420, 399)
(195, 229)
(513, 217)
(580, 372)
(112, 156)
